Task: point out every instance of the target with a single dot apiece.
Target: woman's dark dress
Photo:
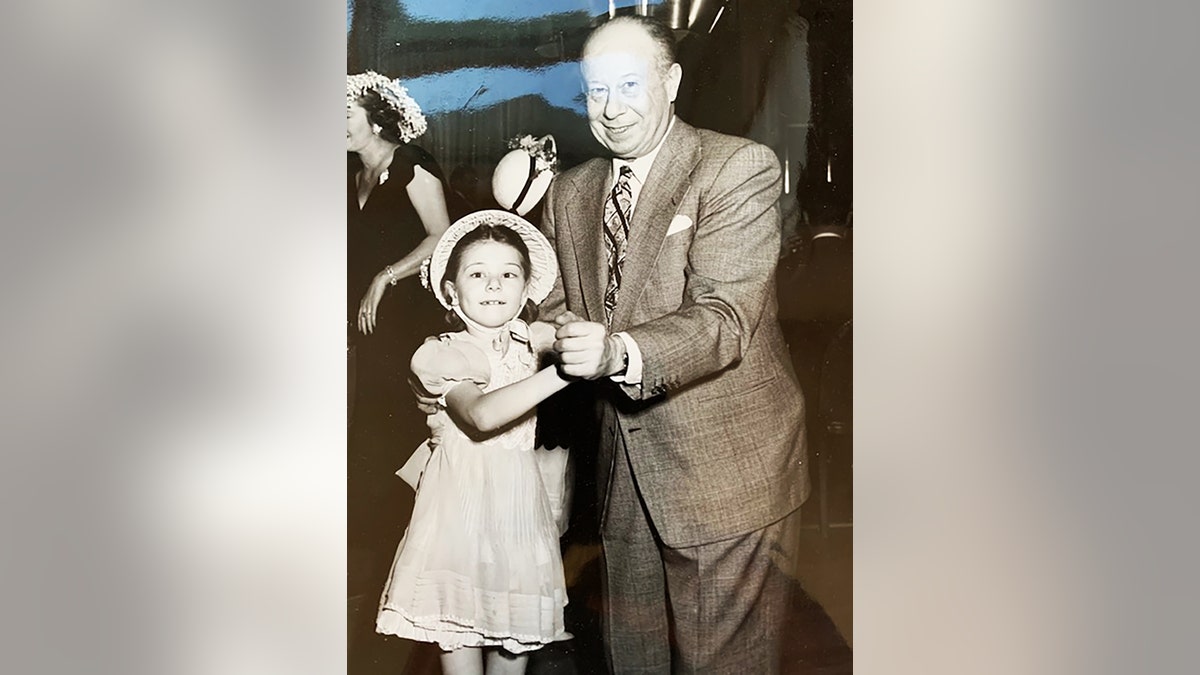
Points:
(385, 424)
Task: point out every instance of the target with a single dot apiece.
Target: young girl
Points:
(479, 567)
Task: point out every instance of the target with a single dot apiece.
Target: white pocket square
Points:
(678, 224)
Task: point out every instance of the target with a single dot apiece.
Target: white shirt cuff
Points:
(633, 372)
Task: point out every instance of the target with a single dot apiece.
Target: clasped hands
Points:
(584, 350)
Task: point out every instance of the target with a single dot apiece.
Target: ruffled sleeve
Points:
(441, 363)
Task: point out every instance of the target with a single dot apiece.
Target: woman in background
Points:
(395, 213)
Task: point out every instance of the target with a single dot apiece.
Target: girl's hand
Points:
(370, 303)
(541, 337)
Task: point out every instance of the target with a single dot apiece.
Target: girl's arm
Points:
(496, 409)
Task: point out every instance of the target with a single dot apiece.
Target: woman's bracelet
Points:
(391, 275)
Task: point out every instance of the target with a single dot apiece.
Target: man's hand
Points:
(586, 350)
(426, 402)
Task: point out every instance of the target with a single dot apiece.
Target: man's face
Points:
(629, 96)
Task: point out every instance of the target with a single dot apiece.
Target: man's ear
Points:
(674, 76)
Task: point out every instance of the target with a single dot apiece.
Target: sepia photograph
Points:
(599, 336)
(679, 336)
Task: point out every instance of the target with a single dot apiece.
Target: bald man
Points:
(666, 306)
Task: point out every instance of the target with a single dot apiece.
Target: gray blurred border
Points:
(1026, 322)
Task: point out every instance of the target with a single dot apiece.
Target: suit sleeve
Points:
(556, 302)
(731, 269)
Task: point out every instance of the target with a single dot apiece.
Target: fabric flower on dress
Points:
(424, 273)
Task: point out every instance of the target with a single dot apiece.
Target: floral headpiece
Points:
(523, 175)
(412, 121)
(544, 153)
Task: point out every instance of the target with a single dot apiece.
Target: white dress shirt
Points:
(641, 168)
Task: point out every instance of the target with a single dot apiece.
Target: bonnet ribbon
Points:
(515, 329)
(533, 173)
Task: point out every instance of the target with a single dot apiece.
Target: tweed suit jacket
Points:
(715, 432)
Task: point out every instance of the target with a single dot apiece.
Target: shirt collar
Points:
(641, 165)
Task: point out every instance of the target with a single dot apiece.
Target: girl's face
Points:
(358, 128)
(490, 285)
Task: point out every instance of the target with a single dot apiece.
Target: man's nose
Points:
(613, 106)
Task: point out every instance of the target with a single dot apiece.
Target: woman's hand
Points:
(370, 303)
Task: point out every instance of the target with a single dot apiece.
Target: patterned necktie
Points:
(617, 210)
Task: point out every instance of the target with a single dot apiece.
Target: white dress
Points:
(479, 564)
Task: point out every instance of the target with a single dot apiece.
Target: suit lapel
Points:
(587, 235)
(665, 186)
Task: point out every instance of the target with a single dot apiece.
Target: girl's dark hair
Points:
(379, 112)
(499, 234)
